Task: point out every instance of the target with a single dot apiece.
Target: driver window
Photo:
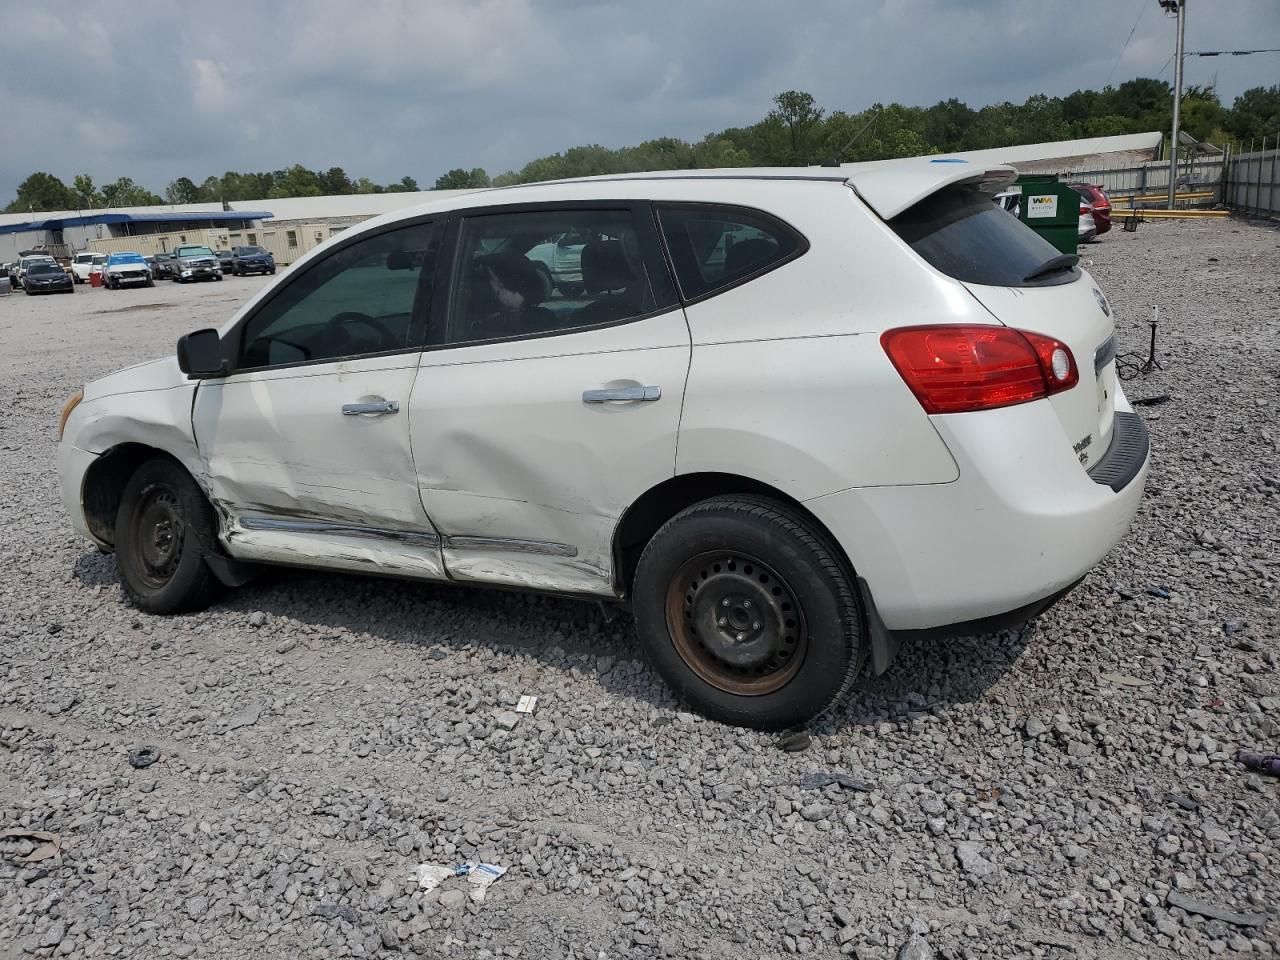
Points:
(359, 300)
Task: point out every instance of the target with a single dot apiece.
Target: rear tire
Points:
(748, 613)
(164, 529)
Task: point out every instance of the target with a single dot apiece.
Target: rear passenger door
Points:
(549, 397)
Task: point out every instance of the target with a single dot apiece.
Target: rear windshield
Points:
(963, 233)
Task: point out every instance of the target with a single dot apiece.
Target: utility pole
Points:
(1178, 6)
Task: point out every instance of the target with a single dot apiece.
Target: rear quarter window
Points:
(961, 232)
(716, 247)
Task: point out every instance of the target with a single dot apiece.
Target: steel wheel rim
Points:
(160, 533)
(736, 623)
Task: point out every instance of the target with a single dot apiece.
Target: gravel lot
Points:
(1043, 795)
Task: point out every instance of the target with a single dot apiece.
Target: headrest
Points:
(604, 267)
(517, 274)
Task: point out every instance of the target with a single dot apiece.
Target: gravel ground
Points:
(1048, 794)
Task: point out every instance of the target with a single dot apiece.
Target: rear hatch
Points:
(1025, 283)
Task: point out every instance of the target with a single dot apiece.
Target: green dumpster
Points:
(1051, 209)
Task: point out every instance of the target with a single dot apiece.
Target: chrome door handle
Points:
(373, 406)
(621, 393)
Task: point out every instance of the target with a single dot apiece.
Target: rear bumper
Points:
(1022, 524)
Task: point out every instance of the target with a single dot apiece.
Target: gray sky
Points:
(386, 88)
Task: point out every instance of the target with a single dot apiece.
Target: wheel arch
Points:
(104, 481)
(647, 514)
(658, 504)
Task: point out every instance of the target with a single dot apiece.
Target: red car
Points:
(1096, 198)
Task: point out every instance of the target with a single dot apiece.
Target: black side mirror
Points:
(200, 355)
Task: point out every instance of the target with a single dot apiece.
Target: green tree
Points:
(86, 194)
(1255, 114)
(335, 181)
(460, 179)
(182, 190)
(365, 185)
(42, 191)
(799, 116)
(125, 193)
(296, 181)
(407, 185)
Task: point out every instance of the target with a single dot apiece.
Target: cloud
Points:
(386, 88)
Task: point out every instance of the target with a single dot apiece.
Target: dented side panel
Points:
(276, 443)
(506, 447)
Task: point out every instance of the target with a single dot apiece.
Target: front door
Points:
(306, 442)
(549, 398)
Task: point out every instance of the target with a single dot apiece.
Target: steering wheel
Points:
(342, 319)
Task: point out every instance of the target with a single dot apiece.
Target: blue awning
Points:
(166, 216)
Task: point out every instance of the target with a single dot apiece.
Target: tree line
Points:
(796, 131)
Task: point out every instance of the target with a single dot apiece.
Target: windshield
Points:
(249, 251)
(125, 258)
(38, 268)
(964, 234)
(194, 252)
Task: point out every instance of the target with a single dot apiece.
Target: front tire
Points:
(164, 529)
(749, 613)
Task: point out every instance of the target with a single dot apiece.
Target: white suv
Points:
(83, 263)
(790, 417)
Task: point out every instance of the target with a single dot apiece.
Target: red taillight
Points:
(1085, 208)
(956, 369)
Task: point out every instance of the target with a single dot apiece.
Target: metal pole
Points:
(1271, 178)
(1245, 205)
(1177, 101)
(1257, 189)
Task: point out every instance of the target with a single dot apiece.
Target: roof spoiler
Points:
(892, 187)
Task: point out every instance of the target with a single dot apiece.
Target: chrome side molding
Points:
(416, 537)
(547, 547)
(327, 528)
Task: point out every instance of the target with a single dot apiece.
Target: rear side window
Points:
(546, 272)
(713, 247)
(963, 233)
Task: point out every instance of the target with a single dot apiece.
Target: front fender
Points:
(155, 418)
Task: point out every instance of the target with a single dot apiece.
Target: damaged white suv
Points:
(788, 416)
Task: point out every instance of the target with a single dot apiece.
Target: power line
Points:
(1142, 6)
(1228, 53)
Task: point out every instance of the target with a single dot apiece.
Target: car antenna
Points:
(835, 161)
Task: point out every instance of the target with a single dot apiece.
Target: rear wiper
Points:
(1063, 261)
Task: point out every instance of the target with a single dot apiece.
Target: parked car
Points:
(251, 259)
(1087, 228)
(82, 264)
(1099, 203)
(562, 259)
(25, 261)
(193, 262)
(162, 266)
(224, 260)
(126, 269)
(46, 276)
(887, 410)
